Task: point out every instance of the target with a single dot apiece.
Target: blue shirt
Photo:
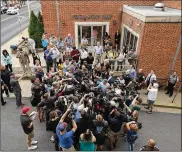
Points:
(77, 116)
(44, 43)
(65, 140)
(131, 136)
(49, 57)
(6, 60)
(133, 73)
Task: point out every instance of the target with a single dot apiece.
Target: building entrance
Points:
(92, 32)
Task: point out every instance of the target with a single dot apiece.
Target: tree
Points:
(38, 35)
(40, 18)
(36, 28)
(32, 25)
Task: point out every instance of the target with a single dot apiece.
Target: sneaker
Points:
(4, 103)
(149, 112)
(146, 107)
(32, 147)
(166, 93)
(52, 139)
(170, 96)
(34, 142)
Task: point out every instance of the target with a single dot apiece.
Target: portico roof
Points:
(151, 14)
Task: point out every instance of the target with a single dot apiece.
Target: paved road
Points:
(165, 128)
(10, 25)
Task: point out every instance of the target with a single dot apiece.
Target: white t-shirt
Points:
(84, 41)
(152, 94)
(98, 50)
(84, 54)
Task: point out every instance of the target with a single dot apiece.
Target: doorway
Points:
(93, 32)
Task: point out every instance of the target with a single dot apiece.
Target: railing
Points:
(124, 65)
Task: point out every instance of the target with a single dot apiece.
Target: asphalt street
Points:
(10, 25)
(165, 128)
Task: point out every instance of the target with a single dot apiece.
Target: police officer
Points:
(173, 79)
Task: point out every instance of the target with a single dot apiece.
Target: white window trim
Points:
(132, 31)
(89, 24)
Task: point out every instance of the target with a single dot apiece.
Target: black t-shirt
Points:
(53, 124)
(90, 60)
(25, 122)
(116, 122)
(140, 77)
(127, 79)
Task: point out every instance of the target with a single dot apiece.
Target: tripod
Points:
(176, 93)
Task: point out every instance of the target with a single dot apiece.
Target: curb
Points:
(163, 106)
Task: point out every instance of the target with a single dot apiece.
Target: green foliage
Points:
(36, 28)
(38, 35)
(32, 25)
(41, 21)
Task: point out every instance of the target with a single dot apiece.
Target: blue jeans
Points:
(130, 146)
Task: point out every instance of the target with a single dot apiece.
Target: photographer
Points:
(131, 129)
(37, 92)
(48, 104)
(152, 96)
(87, 140)
(83, 125)
(116, 120)
(135, 105)
(100, 126)
(65, 138)
(52, 124)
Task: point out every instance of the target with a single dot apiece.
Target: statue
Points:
(30, 44)
(24, 61)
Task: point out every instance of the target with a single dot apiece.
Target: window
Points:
(129, 40)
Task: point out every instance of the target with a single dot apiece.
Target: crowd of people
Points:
(83, 103)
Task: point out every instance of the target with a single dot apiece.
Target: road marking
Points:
(18, 15)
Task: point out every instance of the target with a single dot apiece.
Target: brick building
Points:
(152, 33)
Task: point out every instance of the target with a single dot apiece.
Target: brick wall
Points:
(173, 3)
(83, 7)
(159, 42)
(136, 23)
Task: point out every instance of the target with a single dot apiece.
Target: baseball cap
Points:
(24, 110)
(62, 126)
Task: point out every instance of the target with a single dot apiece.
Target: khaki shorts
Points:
(69, 149)
(113, 136)
(30, 135)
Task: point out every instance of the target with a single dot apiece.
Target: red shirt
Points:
(75, 54)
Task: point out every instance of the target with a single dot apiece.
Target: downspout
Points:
(58, 19)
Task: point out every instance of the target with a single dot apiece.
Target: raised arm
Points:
(74, 125)
(65, 114)
(127, 108)
(134, 100)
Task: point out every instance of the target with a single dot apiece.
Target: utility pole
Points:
(28, 4)
(178, 49)
(57, 14)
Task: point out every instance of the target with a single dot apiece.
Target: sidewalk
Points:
(15, 61)
(163, 100)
